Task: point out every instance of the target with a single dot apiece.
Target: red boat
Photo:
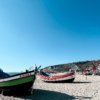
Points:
(68, 77)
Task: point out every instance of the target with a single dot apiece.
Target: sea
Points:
(12, 73)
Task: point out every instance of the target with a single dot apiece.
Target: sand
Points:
(80, 89)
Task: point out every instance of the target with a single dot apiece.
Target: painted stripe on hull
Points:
(18, 88)
(56, 77)
(60, 79)
(16, 77)
(16, 81)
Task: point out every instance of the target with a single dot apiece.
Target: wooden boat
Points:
(69, 77)
(19, 82)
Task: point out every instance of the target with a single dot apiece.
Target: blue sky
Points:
(48, 32)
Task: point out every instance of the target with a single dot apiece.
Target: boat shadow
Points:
(80, 82)
(45, 95)
(69, 82)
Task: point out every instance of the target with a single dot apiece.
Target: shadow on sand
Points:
(80, 82)
(69, 82)
(44, 95)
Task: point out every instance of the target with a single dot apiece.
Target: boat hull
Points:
(22, 82)
(68, 78)
(62, 81)
(21, 87)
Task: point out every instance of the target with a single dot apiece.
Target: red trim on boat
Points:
(44, 77)
(56, 77)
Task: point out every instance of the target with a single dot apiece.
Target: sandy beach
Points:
(81, 89)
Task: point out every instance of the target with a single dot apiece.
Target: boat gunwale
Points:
(18, 74)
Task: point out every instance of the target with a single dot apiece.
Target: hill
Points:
(73, 65)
